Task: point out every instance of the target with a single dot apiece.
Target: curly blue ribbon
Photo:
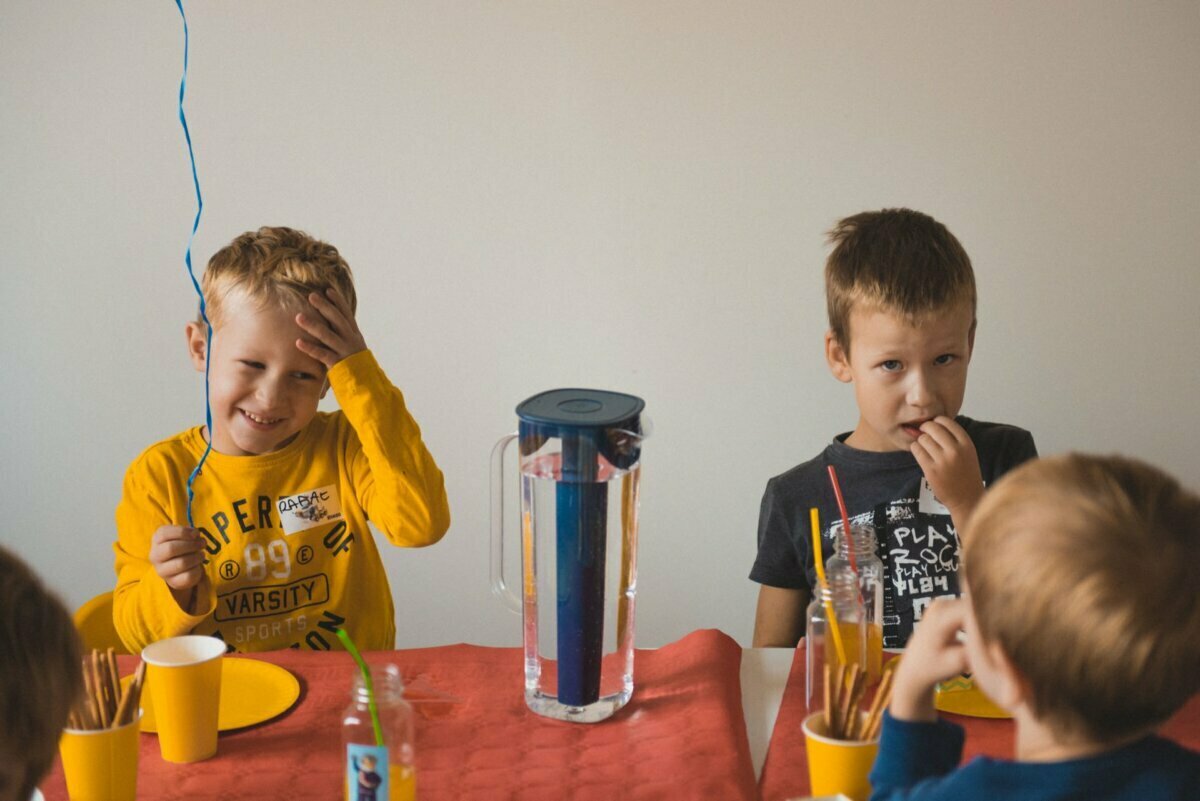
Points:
(187, 259)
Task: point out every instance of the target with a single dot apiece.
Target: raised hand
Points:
(935, 653)
(948, 459)
(331, 325)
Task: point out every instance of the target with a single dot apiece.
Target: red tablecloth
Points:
(785, 770)
(682, 736)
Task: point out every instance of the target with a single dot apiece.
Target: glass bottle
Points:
(870, 583)
(828, 644)
(376, 772)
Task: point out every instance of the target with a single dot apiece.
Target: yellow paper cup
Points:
(101, 764)
(837, 766)
(184, 678)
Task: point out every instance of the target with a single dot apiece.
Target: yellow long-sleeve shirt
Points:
(289, 555)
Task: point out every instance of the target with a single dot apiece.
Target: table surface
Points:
(764, 676)
(671, 680)
(681, 736)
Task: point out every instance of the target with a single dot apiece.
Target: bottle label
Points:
(367, 773)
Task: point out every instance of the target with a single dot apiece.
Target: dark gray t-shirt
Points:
(918, 543)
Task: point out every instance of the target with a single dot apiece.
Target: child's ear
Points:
(197, 337)
(1008, 688)
(838, 358)
(971, 339)
(324, 388)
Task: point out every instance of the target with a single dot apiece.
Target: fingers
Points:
(177, 554)
(935, 650)
(944, 619)
(944, 434)
(321, 328)
(339, 301)
(338, 317)
(332, 327)
(326, 356)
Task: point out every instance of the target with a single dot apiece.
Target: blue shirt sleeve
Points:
(910, 753)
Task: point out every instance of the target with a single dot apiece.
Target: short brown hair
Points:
(40, 676)
(895, 260)
(1083, 570)
(275, 265)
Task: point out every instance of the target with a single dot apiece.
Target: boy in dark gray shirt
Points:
(901, 299)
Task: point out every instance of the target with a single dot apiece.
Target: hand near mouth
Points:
(332, 327)
(948, 458)
(934, 653)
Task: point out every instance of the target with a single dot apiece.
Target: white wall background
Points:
(625, 195)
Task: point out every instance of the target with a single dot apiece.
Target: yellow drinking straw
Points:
(820, 565)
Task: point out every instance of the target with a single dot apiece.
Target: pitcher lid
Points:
(581, 408)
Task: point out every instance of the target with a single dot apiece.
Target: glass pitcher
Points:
(579, 465)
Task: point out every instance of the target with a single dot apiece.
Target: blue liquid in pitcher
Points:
(610, 537)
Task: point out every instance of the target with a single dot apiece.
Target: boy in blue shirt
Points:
(1082, 620)
(900, 293)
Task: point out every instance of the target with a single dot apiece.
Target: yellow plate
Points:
(960, 696)
(251, 691)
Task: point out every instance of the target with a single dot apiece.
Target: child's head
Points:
(900, 293)
(274, 266)
(1081, 572)
(40, 676)
(897, 261)
(263, 389)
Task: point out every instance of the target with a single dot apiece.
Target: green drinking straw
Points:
(366, 676)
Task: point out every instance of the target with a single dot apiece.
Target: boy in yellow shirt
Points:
(280, 554)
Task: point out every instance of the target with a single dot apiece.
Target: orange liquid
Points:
(404, 783)
(874, 660)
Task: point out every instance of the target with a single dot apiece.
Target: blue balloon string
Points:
(187, 259)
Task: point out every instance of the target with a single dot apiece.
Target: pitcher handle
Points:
(499, 585)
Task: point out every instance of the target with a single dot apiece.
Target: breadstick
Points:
(114, 675)
(104, 686)
(834, 722)
(828, 696)
(848, 690)
(101, 684)
(854, 725)
(91, 713)
(127, 711)
(882, 696)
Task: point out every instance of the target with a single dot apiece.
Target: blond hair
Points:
(894, 260)
(275, 266)
(1083, 570)
(40, 676)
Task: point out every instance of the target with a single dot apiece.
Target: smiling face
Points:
(262, 388)
(903, 374)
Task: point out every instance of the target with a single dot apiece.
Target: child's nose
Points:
(920, 392)
(269, 391)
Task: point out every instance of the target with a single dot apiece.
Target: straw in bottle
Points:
(819, 564)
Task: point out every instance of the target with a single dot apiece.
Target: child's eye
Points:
(945, 358)
(891, 365)
(254, 365)
(304, 376)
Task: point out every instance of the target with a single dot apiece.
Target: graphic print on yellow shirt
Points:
(270, 590)
(289, 554)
